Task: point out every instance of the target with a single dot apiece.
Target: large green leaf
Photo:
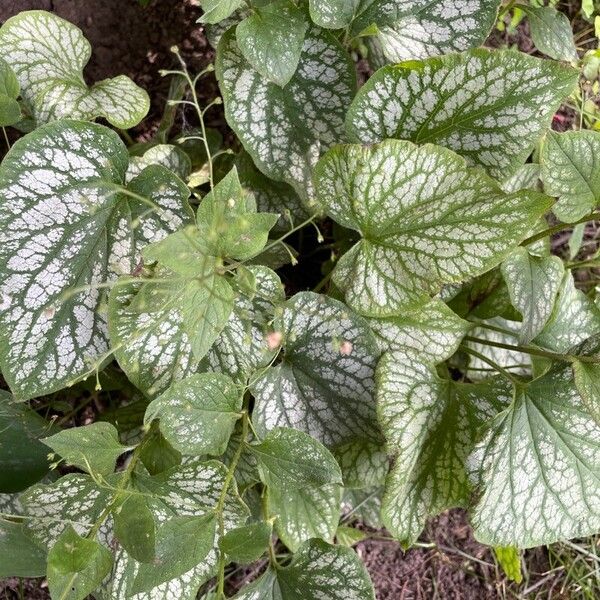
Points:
(20, 556)
(93, 448)
(304, 513)
(324, 383)
(533, 283)
(291, 457)
(317, 571)
(489, 106)
(425, 218)
(166, 155)
(65, 230)
(23, 458)
(197, 415)
(364, 464)
(76, 566)
(571, 171)
(48, 55)
(433, 330)
(135, 529)
(539, 466)
(430, 426)
(265, 117)
(271, 39)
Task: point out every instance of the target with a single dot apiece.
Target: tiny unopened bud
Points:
(218, 100)
(346, 348)
(274, 340)
(174, 49)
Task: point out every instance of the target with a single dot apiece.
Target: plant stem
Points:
(557, 228)
(514, 380)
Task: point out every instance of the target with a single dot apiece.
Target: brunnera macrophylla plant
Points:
(448, 359)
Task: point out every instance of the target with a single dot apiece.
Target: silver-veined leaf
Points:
(430, 426)
(304, 513)
(66, 230)
(324, 383)
(571, 171)
(533, 283)
(433, 330)
(48, 55)
(198, 414)
(364, 464)
(317, 571)
(489, 106)
(166, 155)
(265, 116)
(426, 219)
(538, 465)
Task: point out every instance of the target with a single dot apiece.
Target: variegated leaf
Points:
(166, 155)
(539, 467)
(324, 384)
(265, 116)
(66, 229)
(318, 571)
(48, 55)
(433, 330)
(533, 283)
(431, 426)
(425, 218)
(489, 106)
(571, 172)
(364, 464)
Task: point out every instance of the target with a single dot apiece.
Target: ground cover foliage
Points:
(446, 359)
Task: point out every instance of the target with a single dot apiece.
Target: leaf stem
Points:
(512, 378)
(557, 228)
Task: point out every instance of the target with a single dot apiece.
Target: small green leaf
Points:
(431, 220)
(431, 427)
(10, 110)
(317, 571)
(20, 556)
(58, 90)
(510, 561)
(296, 459)
(571, 171)
(134, 528)
(76, 566)
(157, 455)
(349, 536)
(334, 14)
(494, 108)
(304, 513)
(271, 40)
(217, 10)
(550, 31)
(181, 544)
(197, 415)
(265, 117)
(326, 373)
(538, 467)
(23, 457)
(93, 448)
(246, 544)
(533, 283)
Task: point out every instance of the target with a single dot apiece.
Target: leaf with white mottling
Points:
(197, 415)
(539, 466)
(72, 500)
(364, 505)
(271, 39)
(586, 372)
(364, 464)
(265, 116)
(551, 31)
(425, 218)
(294, 458)
(526, 177)
(304, 513)
(433, 330)
(334, 14)
(533, 283)
(166, 155)
(431, 426)
(324, 383)
(94, 447)
(48, 55)
(318, 571)
(489, 106)
(571, 171)
(574, 319)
